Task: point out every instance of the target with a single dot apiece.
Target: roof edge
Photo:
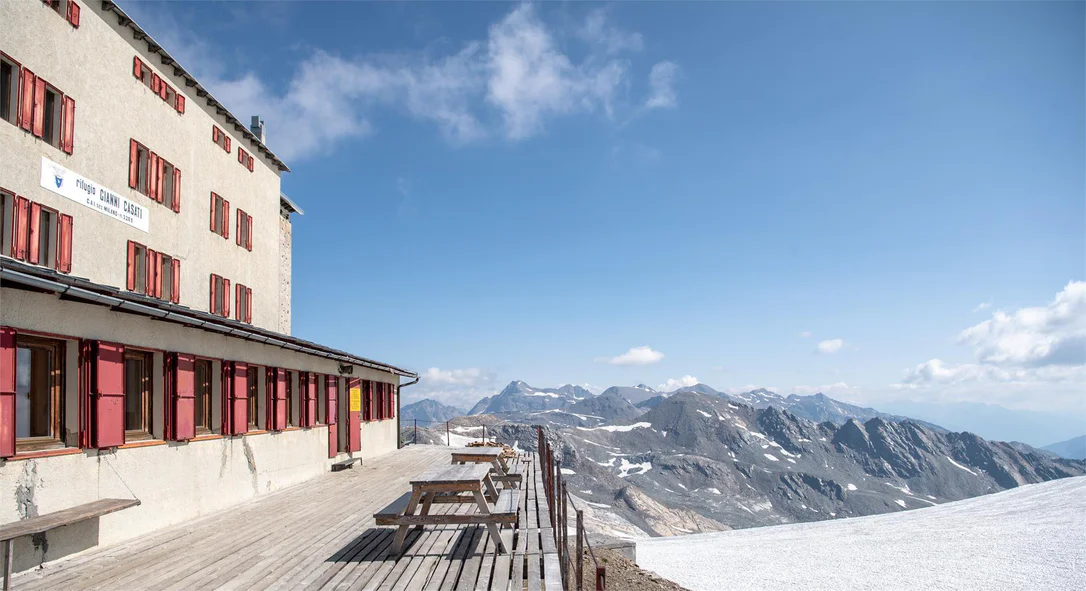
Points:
(168, 60)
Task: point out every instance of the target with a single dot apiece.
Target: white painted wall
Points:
(93, 65)
(176, 482)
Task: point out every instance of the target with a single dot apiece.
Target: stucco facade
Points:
(176, 478)
(93, 64)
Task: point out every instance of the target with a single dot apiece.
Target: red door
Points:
(354, 426)
(331, 409)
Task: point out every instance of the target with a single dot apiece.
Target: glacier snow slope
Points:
(1031, 537)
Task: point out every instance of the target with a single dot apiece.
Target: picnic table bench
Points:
(495, 456)
(469, 484)
(43, 523)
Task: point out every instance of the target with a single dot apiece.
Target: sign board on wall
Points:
(356, 399)
(80, 189)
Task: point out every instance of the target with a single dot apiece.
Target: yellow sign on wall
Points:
(356, 399)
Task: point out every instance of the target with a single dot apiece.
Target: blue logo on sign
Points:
(59, 179)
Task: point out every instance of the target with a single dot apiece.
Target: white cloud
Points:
(1034, 357)
(508, 84)
(982, 306)
(610, 39)
(662, 80)
(747, 388)
(635, 356)
(805, 334)
(1051, 335)
(830, 346)
(460, 377)
(457, 387)
(672, 384)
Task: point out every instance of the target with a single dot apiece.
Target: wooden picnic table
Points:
(495, 456)
(469, 484)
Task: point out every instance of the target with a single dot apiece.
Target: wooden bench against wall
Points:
(9, 532)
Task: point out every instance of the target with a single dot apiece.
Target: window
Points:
(367, 400)
(137, 394)
(51, 116)
(220, 138)
(245, 230)
(154, 176)
(220, 296)
(202, 393)
(34, 233)
(245, 158)
(158, 85)
(137, 267)
(39, 382)
(220, 215)
(9, 89)
(243, 303)
(290, 399)
(254, 394)
(166, 275)
(7, 223)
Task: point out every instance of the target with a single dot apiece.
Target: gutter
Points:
(399, 407)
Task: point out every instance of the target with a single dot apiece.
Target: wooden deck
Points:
(321, 535)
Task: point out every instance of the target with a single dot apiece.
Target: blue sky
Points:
(878, 200)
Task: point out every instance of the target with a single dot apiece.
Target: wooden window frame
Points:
(7, 222)
(147, 396)
(56, 392)
(292, 418)
(52, 250)
(53, 130)
(208, 425)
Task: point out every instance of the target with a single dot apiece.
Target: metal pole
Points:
(580, 549)
(558, 511)
(416, 431)
(448, 438)
(601, 578)
(564, 528)
(9, 556)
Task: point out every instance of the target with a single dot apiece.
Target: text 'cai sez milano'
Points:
(145, 308)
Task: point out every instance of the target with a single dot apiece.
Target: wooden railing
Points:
(560, 502)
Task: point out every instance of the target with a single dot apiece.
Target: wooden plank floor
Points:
(321, 535)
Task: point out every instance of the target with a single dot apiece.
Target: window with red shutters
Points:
(244, 230)
(310, 394)
(7, 392)
(154, 176)
(34, 233)
(243, 299)
(137, 267)
(245, 159)
(202, 393)
(220, 215)
(253, 396)
(220, 296)
(107, 412)
(73, 13)
(238, 399)
(366, 406)
(9, 89)
(159, 87)
(181, 370)
(220, 138)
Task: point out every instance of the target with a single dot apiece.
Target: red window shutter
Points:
(176, 189)
(226, 397)
(237, 298)
(137, 67)
(239, 399)
(73, 13)
(175, 291)
(249, 305)
(250, 163)
(26, 101)
(151, 274)
(152, 176)
(64, 243)
(311, 401)
(158, 274)
(237, 238)
(225, 218)
(22, 227)
(281, 401)
(67, 140)
(179, 103)
(160, 179)
(331, 402)
(184, 401)
(214, 134)
(392, 401)
(227, 148)
(214, 211)
(131, 284)
(39, 107)
(226, 298)
(7, 392)
(133, 164)
(163, 89)
(211, 307)
(155, 81)
(354, 431)
(35, 230)
(249, 233)
(108, 407)
(241, 156)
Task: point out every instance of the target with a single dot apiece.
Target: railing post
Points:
(580, 549)
(448, 438)
(416, 439)
(565, 532)
(558, 512)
